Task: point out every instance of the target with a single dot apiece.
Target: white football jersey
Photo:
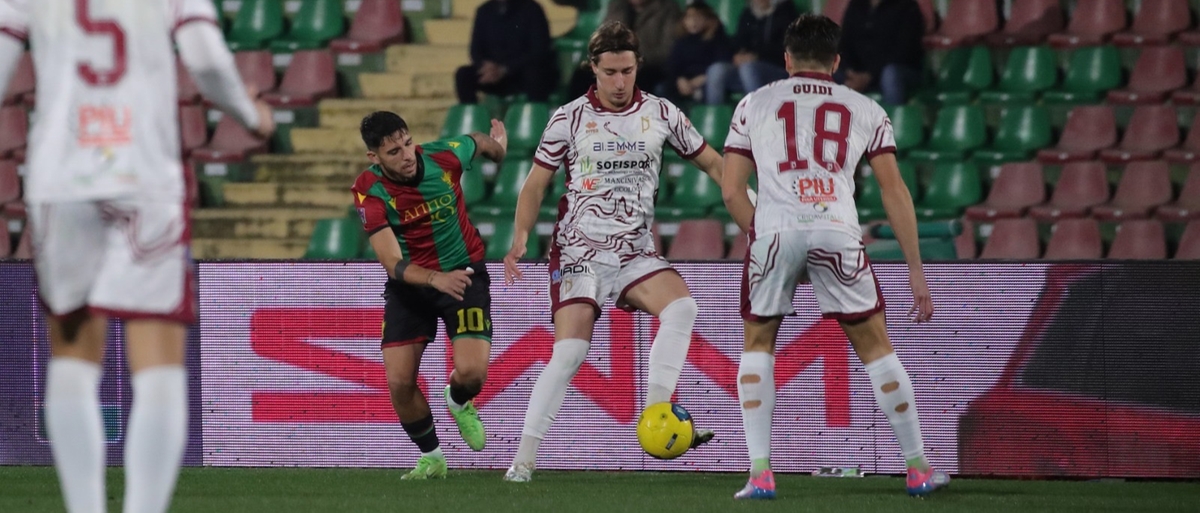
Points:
(806, 135)
(107, 119)
(612, 161)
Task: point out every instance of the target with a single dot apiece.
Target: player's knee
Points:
(402, 389)
(472, 378)
(570, 353)
(680, 311)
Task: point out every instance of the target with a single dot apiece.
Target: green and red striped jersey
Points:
(429, 214)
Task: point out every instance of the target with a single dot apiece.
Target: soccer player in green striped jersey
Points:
(411, 204)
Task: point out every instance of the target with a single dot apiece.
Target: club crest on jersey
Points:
(447, 179)
(645, 124)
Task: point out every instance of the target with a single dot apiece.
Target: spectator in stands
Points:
(759, 57)
(656, 23)
(704, 42)
(510, 53)
(881, 48)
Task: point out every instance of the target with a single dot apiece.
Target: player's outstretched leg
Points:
(72, 409)
(756, 393)
(894, 393)
(470, 371)
(401, 364)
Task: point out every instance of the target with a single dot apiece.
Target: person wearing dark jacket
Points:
(656, 24)
(881, 47)
(704, 42)
(759, 57)
(510, 53)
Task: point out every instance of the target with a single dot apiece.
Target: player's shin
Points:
(548, 394)
(76, 431)
(895, 395)
(156, 438)
(423, 434)
(670, 349)
(756, 392)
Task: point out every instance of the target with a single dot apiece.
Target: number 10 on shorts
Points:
(470, 319)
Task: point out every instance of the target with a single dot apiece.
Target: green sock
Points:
(758, 466)
(919, 463)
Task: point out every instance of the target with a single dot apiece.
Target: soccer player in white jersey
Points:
(611, 141)
(804, 136)
(106, 191)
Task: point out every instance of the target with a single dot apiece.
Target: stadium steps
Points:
(218, 248)
(415, 84)
(340, 140)
(273, 194)
(427, 57)
(422, 114)
(259, 222)
(327, 168)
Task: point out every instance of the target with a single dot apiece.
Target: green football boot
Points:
(469, 425)
(428, 467)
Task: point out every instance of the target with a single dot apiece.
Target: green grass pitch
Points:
(222, 490)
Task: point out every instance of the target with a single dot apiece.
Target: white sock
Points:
(436, 452)
(156, 438)
(756, 382)
(76, 431)
(670, 349)
(548, 394)
(894, 391)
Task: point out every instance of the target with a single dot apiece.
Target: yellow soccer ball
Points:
(665, 430)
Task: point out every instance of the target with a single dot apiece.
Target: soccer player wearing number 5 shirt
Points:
(804, 136)
(611, 141)
(109, 220)
(411, 203)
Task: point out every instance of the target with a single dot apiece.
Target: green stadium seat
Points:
(693, 196)
(1090, 73)
(571, 53)
(962, 73)
(316, 24)
(368, 251)
(958, 130)
(557, 189)
(473, 187)
(337, 239)
(525, 123)
(501, 241)
(1029, 71)
(712, 121)
(465, 119)
(729, 11)
(953, 187)
(1023, 130)
(256, 23)
(585, 24)
(908, 125)
(509, 180)
(870, 199)
(931, 249)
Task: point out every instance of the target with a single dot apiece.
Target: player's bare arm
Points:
(898, 204)
(453, 283)
(734, 191)
(711, 163)
(530, 198)
(494, 145)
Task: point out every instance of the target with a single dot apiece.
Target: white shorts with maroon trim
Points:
(127, 259)
(836, 262)
(585, 275)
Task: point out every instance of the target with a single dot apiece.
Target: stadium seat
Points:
(695, 193)
(14, 127)
(1151, 129)
(5, 239)
(1089, 129)
(1028, 71)
(962, 73)
(729, 11)
(571, 54)
(586, 23)
(908, 125)
(953, 187)
(1091, 73)
(525, 123)
(558, 189)
(1022, 131)
(231, 142)
(188, 93)
(309, 78)
(698, 239)
(1093, 25)
(10, 186)
(1189, 243)
(1143, 186)
(313, 26)
(929, 13)
(1187, 206)
(1139, 239)
(256, 23)
(1158, 71)
(336, 239)
(958, 130)
(870, 199)
(257, 70)
(509, 180)
(738, 247)
(1019, 187)
(193, 129)
(1075, 239)
(1155, 22)
(1029, 23)
(501, 241)
(973, 19)
(1189, 150)
(466, 118)
(24, 245)
(376, 25)
(1081, 186)
(473, 187)
(23, 82)
(1015, 238)
(712, 121)
(836, 10)
(15, 210)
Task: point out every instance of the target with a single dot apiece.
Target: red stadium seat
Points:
(309, 78)
(15, 210)
(1152, 129)
(1015, 238)
(1155, 22)
(1158, 71)
(1187, 207)
(25, 245)
(14, 127)
(193, 129)
(1093, 25)
(1030, 23)
(739, 247)
(1075, 239)
(231, 142)
(1189, 151)
(1139, 239)
(188, 92)
(10, 184)
(1143, 186)
(23, 82)
(1188, 96)
(377, 24)
(257, 70)
(835, 10)
(1019, 186)
(5, 239)
(1089, 129)
(1081, 186)
(973, 19)
(1189, 243)
(698, 239)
